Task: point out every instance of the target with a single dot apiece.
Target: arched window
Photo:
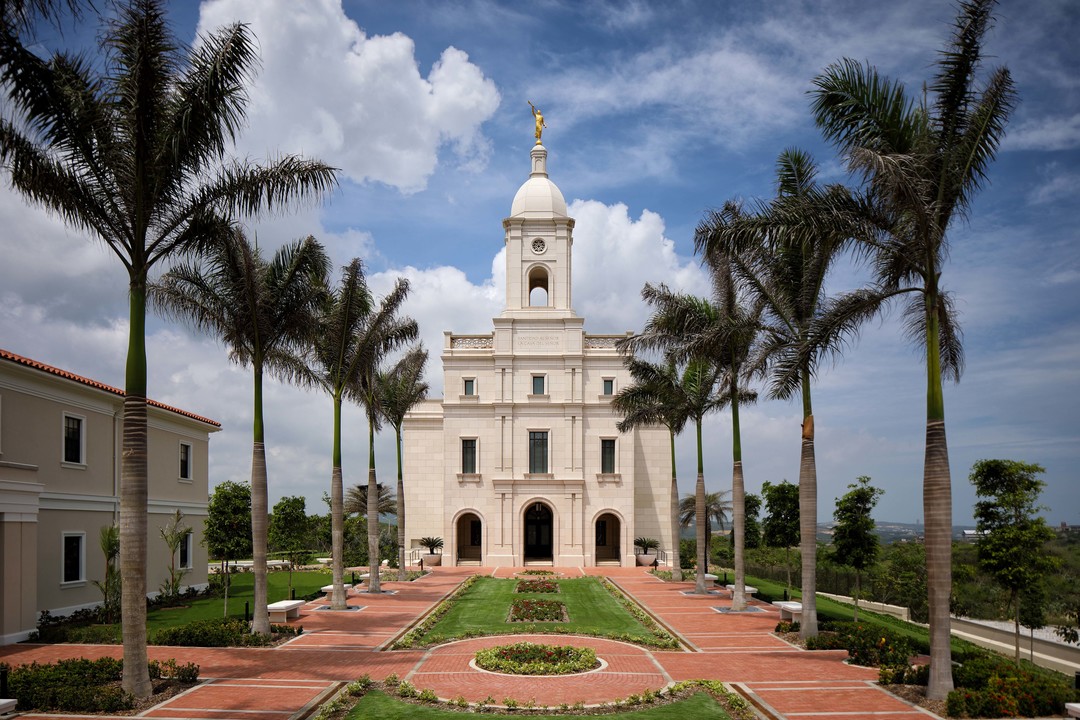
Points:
(539, 291)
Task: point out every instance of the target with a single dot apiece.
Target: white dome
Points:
(538, 197)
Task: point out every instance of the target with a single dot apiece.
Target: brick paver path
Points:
(336, 647)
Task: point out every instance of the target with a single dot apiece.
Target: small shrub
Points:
(428, 695)
(77, 685)
(904, 675)
(537, 611)
(219, 632)
(406, 689)
(392, 680)
(526, 658)
(786, 626)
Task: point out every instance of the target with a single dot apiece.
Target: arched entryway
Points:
(608, 530)
(539, 526)
(470, 536)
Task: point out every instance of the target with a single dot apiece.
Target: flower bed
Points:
(537, 586)
(537, 611)
(526, 658)
(539, 573)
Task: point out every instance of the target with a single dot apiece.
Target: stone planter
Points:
(431, 560)
(644, 560)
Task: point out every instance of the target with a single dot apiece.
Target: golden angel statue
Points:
(539, 117)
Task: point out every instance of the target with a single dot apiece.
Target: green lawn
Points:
(918, 635)
(484, 607)
(379, 705)
(241, 590)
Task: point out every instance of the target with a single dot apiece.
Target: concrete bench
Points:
(1072, 709)
(282, 610)
(747, 589)
(790, 611)
(7, 706)
(329, 589)
(710, 578)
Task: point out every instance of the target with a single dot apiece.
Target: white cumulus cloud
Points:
(329, 90)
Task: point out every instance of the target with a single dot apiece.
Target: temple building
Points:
(520, 462)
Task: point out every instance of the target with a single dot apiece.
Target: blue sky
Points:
(657, 112)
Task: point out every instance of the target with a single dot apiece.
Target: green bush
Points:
(77, 685)
(904, 675)
(993, 686)
(187, 673)
(868, 645)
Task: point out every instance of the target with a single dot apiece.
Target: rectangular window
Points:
(185, 461)
(73, 439)
(185, 551)
(538, 385)
(607, 456)
(470, 386)
(72, 557)
(609, 386)
(468, 456)
(538, 449)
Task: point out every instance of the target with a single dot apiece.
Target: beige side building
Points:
(60, 441)
(521, 462)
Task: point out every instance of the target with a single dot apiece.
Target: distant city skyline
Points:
(655, 113)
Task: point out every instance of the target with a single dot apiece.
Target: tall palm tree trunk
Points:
(133, 500)
(937, 510)
(374, 582)
(676, 560)
(337, 517)
(259, 512)
(700, 518)
(400, 509)
(738, 501)
(808, 515)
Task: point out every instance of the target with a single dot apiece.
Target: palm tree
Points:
(356, 500)
(131, 150)
(265, 313)
(335, 361)
(783, 269)
(400, 389)
(378, 334)
(723, 331)
(699, 381)
(922, 159)
(656, 397)
(717, 510)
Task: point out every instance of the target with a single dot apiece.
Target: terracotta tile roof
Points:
(20, 360)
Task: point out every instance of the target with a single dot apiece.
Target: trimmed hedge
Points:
(83, 686)
(221, 632)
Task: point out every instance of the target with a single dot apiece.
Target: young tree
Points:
(922, 158)
(1011, 535)
(173, 533)
(854, 541)
(227, 528)
(109, 540)
(132, 150)
(781, 526)
(289, 531)
(717, 510)
(356, 500)
(752, 529)
(264, 311)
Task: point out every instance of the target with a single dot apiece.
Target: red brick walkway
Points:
(337, 647)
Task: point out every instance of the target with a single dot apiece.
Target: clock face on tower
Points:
(538, 246)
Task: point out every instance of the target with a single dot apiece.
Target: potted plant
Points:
(432, 544)
(646, 544)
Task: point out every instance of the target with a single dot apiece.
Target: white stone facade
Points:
(521, 461)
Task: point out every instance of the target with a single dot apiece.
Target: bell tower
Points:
(539, 240)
